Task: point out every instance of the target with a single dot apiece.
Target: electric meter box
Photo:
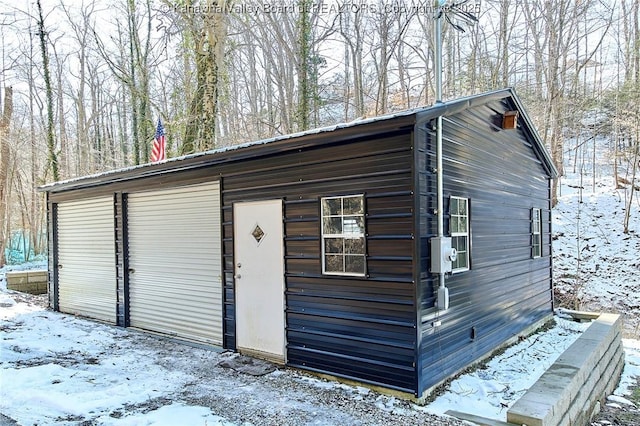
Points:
(441, 255)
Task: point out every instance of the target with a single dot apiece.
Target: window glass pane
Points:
(354, 264)
(333, 245)
(333, 263)
(353, 205)
(462, 224)
(353, 225)
(331, 207)
(354, 245)
(461, 261)
(332, 225)
(453, 208)
(459, 243)
(462, 207)
(343, 230)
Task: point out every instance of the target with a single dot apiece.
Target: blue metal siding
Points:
(506, 290)
(360, 328)
(378, 328)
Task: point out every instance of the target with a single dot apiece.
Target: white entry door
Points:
(259, 279)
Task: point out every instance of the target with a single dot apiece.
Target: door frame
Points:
(259, 207)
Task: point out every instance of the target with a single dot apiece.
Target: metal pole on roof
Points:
(443, 293)
(442, 253)
(437, 57)
(438, 92)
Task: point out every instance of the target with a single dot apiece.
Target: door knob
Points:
(237, 276)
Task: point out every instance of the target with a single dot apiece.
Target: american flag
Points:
(158, 152)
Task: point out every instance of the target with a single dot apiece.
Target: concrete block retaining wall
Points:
(33, 282)
(571, 390)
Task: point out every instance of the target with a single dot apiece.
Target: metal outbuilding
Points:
(314, 249)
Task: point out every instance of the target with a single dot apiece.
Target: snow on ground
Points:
(593, 258)
(491, 390)
(631, 374)
(59, 369)
(56, 368)
(9, 303)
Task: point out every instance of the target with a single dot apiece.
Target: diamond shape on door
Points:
(258, 233)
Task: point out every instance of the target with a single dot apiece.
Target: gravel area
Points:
(239, 389)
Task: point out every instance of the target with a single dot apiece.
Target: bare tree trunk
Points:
(632, 187)
(504, 41)
(381, 66)
(352, 33)
(635, 12)
(34, 204)
(133, 84)
(403, 78)
(209, 38)
(635, 153)
(64, 148)
(304, 71)
(51, 142)
(5, 161)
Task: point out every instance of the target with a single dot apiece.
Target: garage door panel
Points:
(167, 268)
(175, 286)
(185, 286)
(86, 258)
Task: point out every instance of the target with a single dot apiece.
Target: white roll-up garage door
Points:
(175, 278)
(86, 258)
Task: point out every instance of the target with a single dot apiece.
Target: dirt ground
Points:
(620, 414)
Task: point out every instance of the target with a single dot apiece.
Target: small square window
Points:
(459, 229)
(343, 235)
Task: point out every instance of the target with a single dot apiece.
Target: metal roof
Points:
(205, 158)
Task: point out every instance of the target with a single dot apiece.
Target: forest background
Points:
(84, 82)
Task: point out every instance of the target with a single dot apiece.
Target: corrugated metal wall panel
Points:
(354, 327)
(175, 262)
(122, 259)
(506, 290)
(86, 258)
(52, 247)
